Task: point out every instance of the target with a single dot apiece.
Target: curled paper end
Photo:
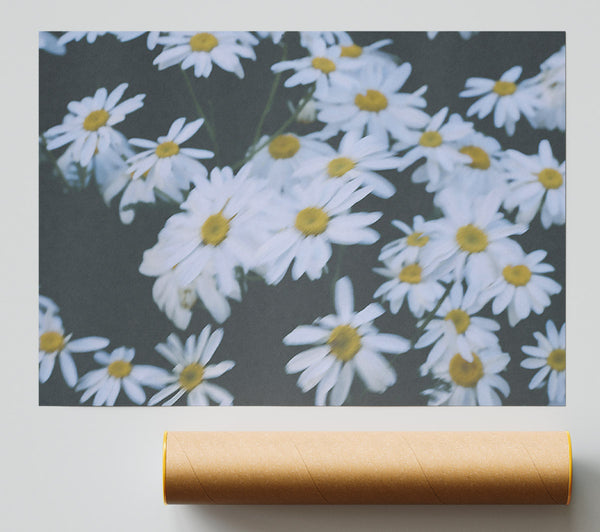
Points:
(367, 468)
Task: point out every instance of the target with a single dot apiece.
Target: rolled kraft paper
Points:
(367, 467)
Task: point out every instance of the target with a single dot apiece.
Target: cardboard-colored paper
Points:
(367, 468)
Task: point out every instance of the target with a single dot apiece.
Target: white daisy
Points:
(192, 372)
(537, 184)
(279, 158)
(202, 49)
(329, 37)
(46, 305)
(177, 300)
(170, 159)
(551, 88)
(548, 357)
(434, 143)
(456, 329)
(484, 171)
(55, 343)
(344, 343)
(410, 281)
(88, 126)
(223, 222)
(407, 249)
(49, 43)
(323, 65)
(521, 287)
(364, 54)
(308, 222)
(373, 103)
(470, 383)
(89, 36)
(508, 99)
(472, 239)
(357, 158)
(118, 372)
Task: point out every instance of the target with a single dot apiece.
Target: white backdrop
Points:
(89, 469)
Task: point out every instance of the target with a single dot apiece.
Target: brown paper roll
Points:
(367, 467)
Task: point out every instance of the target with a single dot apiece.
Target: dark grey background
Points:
(89, 260)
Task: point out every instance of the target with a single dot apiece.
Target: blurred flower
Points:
(274, 35)
(407, 249)
(191, 370)
(118, 372)
(344, 343)
(151, 41)
(521, 287)
(508, 99)
(55, 343)
(470, 383)
(364, 54)
(456, 329)
(49, 43)
(202, 49)
(373, 103)
(549, 358)
(537, 184)
(356, 159)
(308, 222)
(88, 126)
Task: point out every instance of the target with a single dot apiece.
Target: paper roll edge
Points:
(164, 467)
(570, 467)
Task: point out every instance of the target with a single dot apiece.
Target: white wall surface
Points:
(86, 469)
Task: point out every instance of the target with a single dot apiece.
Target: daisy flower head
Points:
(464, 383)
(309, 221)
(344, 344)
(407, 249)
(549, 358)
(537, 184)
(434, 143)
(54, 343)
(507, 98)
(105, 384)
(279, 157)
(483, 171)
(522, 287)
(223, 221)
(456, 329)
(201, 49)
(357, 158)
(169, 157)
(88, 126)
(364, 54)
(472, 239)
(323, 65)
(192, 371)
(89, 36)
(373, 103)
(411, 282)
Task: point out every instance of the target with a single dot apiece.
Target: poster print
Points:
(328, 218)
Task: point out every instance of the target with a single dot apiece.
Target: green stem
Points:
(209, 127)
(256, 148)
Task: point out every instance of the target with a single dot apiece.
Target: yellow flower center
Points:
(471, 239)
(95, 120)
(352, 50)
(284, 146)
(323, 64)
(203, 42)
(311, 221)
(51, 341)
(557, 359)
(430, 139)
(119, 369)
(550, 178)
(214, 230)
(504, 88)
(411, 274)
(417, 240)
(187, 297)
(344, 342)
(479, 158)
(339, 166)
(167, 149)
(465, 374)
(460, 319)
(373, 101)
(517, 275)
(191, 376)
